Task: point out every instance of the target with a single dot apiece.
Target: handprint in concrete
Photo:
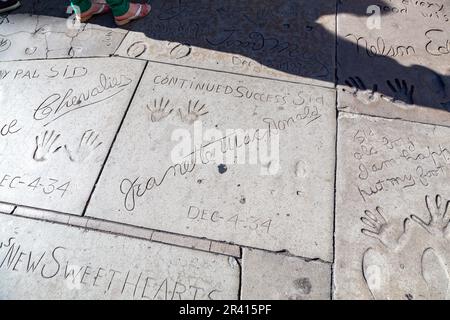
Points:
(89, 142)
(46, 145)
(412, 265)
(160, 109)
(195, 110)
(438, 217)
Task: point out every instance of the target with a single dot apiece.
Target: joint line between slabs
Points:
(114, 140)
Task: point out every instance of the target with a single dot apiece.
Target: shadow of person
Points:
(297, 38)
(400, 65)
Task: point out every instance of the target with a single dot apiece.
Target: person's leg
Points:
(123, 10)
(87, 8)
(119, 7)
(84, 5)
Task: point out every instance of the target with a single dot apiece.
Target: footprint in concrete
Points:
(270, 168)
(302, 289)
(303, 285)
(434, 272)
(300, 169)
(376, 273)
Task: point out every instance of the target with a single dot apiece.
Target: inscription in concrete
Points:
(57, 122)
(40, 260)
(286, 40)
(227, 158)
(392, 214)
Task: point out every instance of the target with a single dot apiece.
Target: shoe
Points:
(141, 11)
(96, 9)
(8, 5)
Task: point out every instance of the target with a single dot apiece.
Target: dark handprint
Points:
(401, 91)
(360, 90)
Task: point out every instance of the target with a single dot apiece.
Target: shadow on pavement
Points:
(283, 35)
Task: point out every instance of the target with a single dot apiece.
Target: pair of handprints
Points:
(163, 108)
(48, 144)
(385, 266)
(401, 91)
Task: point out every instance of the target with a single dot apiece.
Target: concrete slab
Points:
(395, 63)
(227, 158)
(58, 120)
(40, 260)
(392, 233)
(271, 276)
(284, 40)
(24, 37)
